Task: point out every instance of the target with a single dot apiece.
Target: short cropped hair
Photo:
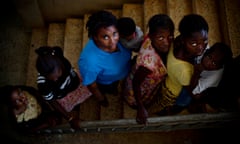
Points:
(98, 20)
(192, 23)
(160, 21)
(126, 26)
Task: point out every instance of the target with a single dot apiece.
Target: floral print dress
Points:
(150, 59)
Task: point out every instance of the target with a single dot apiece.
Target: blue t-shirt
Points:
(96, 65)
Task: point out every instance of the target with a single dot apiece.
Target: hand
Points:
(142, 115)
(75, 123)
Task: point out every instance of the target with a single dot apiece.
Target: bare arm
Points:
(139, 76)
(60, 109)
(194, 80)
(73, 121)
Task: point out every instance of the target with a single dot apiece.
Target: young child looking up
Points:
(58, 83)
(27, 109)
(131, 36)
(191, 43)
(150, 68)
(207, 73)
(104, 61)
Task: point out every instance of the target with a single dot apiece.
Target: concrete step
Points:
(116, 12)
(85, 33)
(195, 128)
(114, 110)
(134, 11)
(152, 7)
(177, 9)
(56, 33)
(90, 110)
(209, 10)
(73, 40)
(39, 38)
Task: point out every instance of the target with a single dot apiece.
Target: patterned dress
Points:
(149, 59)
(75, 97)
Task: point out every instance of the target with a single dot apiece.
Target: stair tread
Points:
(114, 110)
(90, 109)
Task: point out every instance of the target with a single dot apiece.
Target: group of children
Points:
(170, 74)
(167, 75)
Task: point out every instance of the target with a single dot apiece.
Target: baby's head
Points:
(126, 28)
(216, 56)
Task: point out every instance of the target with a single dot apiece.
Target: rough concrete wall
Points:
(14, 45)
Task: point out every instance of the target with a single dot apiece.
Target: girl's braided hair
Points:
(49, 58)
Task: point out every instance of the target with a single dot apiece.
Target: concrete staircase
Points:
(223, 18)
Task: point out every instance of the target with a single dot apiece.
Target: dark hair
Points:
(192, 23)
(160, 21)
(6, 101)
(49, 59)
(98, 20)
(6, 92)
(126, 26)
(223, 49)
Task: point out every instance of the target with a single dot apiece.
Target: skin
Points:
(212, 61)
(106, 39)
(193, 46)
(19, 101)
(161, 41)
